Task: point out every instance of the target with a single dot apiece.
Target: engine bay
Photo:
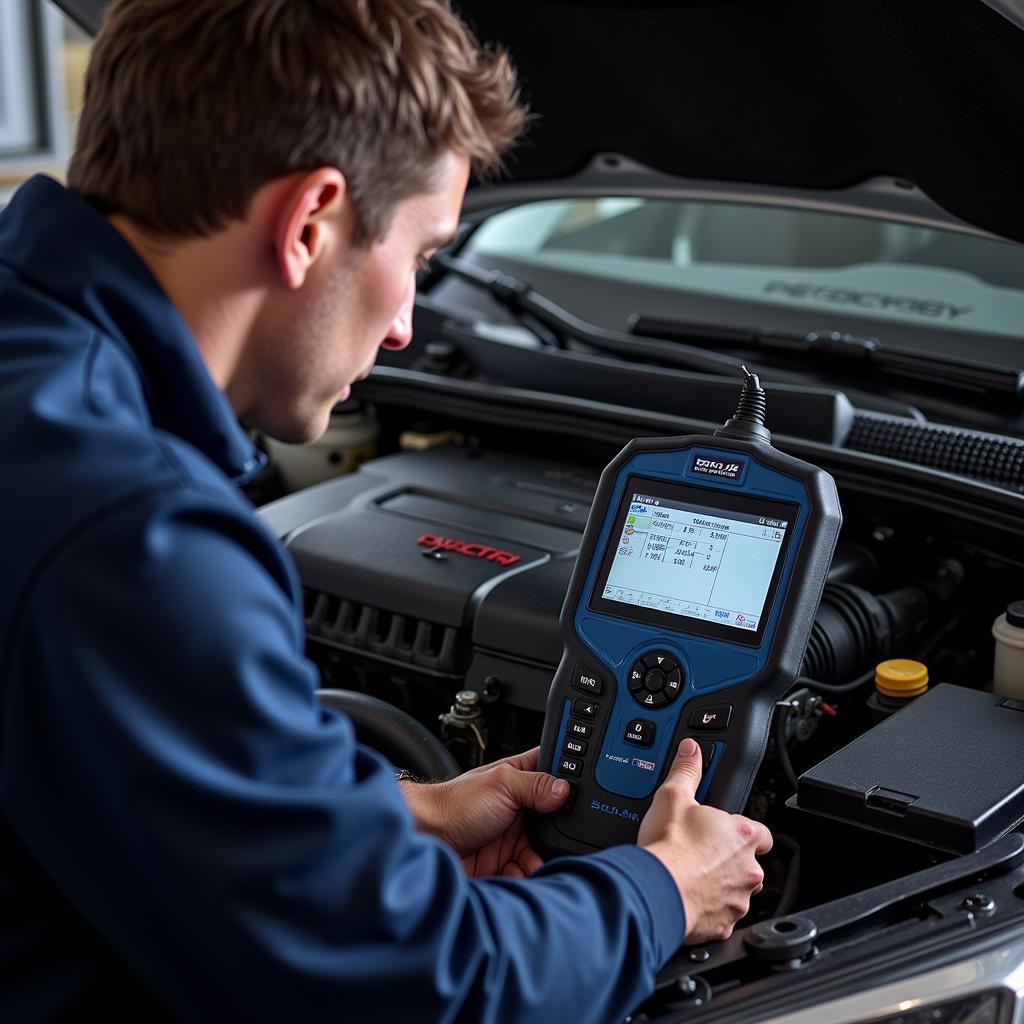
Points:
(429, 573)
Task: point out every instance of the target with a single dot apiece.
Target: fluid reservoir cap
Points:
(1015, 613)
(901, 677)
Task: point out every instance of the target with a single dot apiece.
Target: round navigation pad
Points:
(655, 679)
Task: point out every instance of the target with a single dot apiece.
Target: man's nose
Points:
(400, 332)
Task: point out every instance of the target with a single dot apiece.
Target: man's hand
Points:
(710, 854)
(480, 814)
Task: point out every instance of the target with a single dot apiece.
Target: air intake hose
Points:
(854, 629)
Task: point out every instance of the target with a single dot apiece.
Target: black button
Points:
(660, 699)
(673, 685)
(636, 677)
(711, 717)
(581, 730)
(585, 708)
(577, 747)
(650, 700)
(587, 679)
(570, 800)
(640, 732)
(661, 660)
(707, 749)
(570, 766)
(654, 680)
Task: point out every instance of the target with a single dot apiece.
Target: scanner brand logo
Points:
(618, 812)
(463, 547)
(715, 467)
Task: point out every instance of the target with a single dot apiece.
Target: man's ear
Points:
(308, 215)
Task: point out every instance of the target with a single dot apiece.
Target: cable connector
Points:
(748, 422)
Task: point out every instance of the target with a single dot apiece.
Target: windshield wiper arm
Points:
(834, 349)
(683, 344)
(558, 324)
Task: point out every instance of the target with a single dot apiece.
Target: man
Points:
(184, 830)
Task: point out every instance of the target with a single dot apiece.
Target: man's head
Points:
(340, 131)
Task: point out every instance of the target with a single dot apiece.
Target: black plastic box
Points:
(945, 773)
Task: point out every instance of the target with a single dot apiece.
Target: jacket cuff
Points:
(656, 891)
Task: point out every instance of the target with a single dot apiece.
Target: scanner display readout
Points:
(694, 561)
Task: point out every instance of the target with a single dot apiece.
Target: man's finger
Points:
(525, 762)
(764, 842)
(538, 790)
(526, 856)
(686, 769)
(528, 860)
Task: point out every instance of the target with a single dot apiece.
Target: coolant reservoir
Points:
(350, 439)
(1008, 671)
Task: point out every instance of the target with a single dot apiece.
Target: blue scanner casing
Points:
(725, 681)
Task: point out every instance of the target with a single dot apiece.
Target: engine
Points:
(434, 581)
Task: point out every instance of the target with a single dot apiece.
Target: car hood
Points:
(816, 95)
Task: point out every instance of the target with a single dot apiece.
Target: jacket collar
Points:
(66, 248)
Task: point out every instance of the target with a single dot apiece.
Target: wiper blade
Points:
(834, 349)
(683, 344)
(555, 325)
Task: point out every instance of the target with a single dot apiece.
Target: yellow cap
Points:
(901, 677)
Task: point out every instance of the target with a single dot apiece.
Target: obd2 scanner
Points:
(688, 614)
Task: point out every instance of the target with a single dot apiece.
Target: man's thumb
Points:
(686, 769)
(540, 791)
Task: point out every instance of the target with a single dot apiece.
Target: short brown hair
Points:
(192, 105)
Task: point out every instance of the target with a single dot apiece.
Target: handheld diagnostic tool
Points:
(688, 614)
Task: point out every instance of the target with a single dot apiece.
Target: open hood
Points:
(809, 94)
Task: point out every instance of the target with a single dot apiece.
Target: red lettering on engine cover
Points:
(462, 547)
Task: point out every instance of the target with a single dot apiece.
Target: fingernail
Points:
(560, 787)
(688, 748)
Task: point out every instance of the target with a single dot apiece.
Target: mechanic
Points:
(185, 831)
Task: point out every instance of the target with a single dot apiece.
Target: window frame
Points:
(33, 131)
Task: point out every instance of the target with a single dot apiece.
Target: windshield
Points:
(755, 264)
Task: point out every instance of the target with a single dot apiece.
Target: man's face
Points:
(355, 300)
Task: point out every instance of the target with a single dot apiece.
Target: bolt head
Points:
(979, 903)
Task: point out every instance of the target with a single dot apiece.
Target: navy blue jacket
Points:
(181, 825)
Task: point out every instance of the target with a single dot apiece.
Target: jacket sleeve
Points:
(166, 762)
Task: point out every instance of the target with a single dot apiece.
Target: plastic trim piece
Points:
(994, 508)
(378, 631)
(612, 174)
(852, 975)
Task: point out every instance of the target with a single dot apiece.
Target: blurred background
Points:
(42, 66)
